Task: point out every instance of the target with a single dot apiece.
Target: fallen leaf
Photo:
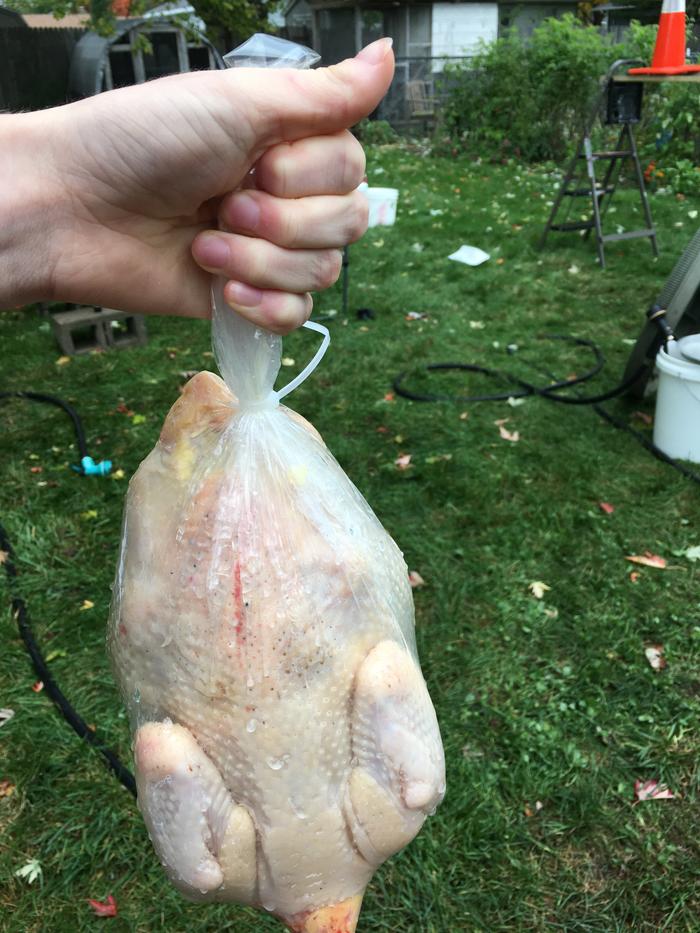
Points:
(648, 559)
(87, 604)
(693, 553)
(62, 360)
(477, 325)
(52, 655)
(89, 514)
(436, 458)
(552, 613)
(118, 474)
(513, 436)
(464, 415)
(6, 715)
(538, 589)
(651, 790)
(38, 686)
(36, 469)
(606, 507)
(500, 261)
(514, 400)
(415, 579)
(3, 556)
(531, 811)
(30, 871)
(634, 576)
(574, 269)
(398, 438)
(655, 657)
(106, 908)
(288, 361)
(123, 410)
(138, 419)
(7, 788)
(382, 429)
(416, 316)
(643, 416)
(403, 462)
(389, 397)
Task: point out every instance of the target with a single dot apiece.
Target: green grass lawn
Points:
(548, 707)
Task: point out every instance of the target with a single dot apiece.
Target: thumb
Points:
(287, 104)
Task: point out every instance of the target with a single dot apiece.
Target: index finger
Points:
(313, 166)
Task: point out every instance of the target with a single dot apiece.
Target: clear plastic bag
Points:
(262, 636)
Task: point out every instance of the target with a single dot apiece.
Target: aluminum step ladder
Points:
(619, 104)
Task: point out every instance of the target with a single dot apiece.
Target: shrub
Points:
(527, 97)
(531, 98)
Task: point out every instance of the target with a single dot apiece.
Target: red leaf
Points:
(38, 686)
(389, 397)
(36, 469)
(648, 559)
(651, 790)
(123, 410)
(634, 576)
(106, 908)
(403, 462)
(643, 416)
(606, 507)
(415, 579)
(382, 429)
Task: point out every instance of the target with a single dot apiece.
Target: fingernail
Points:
(210, 250)
(244, 212)
(377, 51)
(245, 296)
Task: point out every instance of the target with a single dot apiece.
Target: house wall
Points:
(459, 28)
(525, 18)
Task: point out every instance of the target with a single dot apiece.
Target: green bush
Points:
(527, 98)
(530, 99)
(375, 132)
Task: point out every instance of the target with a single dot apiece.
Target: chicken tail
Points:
(339, 918)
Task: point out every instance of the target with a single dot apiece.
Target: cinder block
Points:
(86, 329)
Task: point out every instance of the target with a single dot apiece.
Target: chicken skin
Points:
(262, 635)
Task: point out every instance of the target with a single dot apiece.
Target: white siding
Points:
(459, 27)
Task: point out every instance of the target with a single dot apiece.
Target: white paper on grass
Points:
(470, 255)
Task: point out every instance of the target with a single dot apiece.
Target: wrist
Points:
(29, 205)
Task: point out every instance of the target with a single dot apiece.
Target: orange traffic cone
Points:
(669, 52)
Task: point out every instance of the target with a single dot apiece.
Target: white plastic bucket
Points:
(382, 205)
(677, 419)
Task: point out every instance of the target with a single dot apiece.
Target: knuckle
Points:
(329, 264)
(275, 169)
(250, 260)
(294, 311)
(355, 163)
(359, 217)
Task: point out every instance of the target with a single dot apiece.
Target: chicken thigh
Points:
(262, 635)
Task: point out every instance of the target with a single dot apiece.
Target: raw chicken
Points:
(262, 635)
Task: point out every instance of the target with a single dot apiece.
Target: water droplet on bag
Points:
(297, 809)
(252, 725)
(269, 906)
(277, 763)
(136, 696)
(250, 683)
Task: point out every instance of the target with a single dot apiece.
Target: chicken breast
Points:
(262, 636)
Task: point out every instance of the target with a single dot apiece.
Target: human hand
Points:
(112, 192)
